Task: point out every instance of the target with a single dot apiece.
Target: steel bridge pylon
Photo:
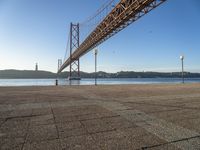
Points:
(74, 70)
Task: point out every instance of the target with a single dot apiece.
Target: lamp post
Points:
(182, 58)
(95, 54)
(59, 65)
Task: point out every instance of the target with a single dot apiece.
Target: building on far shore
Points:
(36, 67)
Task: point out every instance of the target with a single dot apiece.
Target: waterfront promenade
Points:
(100, 117)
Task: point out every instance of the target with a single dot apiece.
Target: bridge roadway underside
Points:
(124, 13)
(100, 117)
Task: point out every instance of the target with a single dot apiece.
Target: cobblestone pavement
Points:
(100, 117)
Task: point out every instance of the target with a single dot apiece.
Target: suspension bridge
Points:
(111, 18)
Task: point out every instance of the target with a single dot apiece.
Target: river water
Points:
(107, 81)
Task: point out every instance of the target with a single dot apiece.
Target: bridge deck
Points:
(102, 117)
(123, 14)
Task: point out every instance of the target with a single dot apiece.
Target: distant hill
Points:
(17, 74)
(30, 74)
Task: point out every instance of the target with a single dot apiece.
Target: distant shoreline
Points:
(30, 74)
(106, 78)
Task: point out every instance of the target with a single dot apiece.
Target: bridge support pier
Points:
(74, 72)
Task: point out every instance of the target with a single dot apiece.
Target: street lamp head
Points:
(181, 57)
(95, 51)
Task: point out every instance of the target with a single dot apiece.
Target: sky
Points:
(36, 31)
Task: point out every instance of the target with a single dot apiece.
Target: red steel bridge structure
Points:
(121, 15)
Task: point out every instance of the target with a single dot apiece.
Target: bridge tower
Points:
(74, 73)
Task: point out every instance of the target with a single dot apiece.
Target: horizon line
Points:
(105, 71)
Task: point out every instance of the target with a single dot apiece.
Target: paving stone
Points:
(2, 121)
(63, 119)
(121, 140)
(150, 108)
(14, 128)
(43, 145)
(69, 125)
(41, 111)
(134, 132)
(69, 129)
(42, 120)
(72, 132)
(97, 125)
(73, 114)
(95, 116)
(84, 142)
(65, 110)
(4, 114)
(89, 116)
(78, 110)
(42, 132)
(178, 115)
(21, 113)
(164, 147)
(192, 124)
(13, 143)
(118, 122)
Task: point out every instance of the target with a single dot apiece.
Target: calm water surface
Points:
(48, 82)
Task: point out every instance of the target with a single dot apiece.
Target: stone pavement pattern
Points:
(102, 117)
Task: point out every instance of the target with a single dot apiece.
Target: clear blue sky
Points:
(36, 31)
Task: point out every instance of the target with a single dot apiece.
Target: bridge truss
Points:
(122, 15)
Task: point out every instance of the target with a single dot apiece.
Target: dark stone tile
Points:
(21, 113)
(2, 121)
(14, 128)
(97, 125)
(118, 122)
(95, 116)
(191, 124)
(42, 132)
(43, 145)
(11, 143)
(5, 114)
(69, 125)
(69, 129)
(41, 111)
(42, 120)
(78, 110)
(63, 119)
(84, 142)
(125, 139)
(73, 132)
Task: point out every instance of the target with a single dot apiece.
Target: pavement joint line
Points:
(42, 140)
(58, 135)
(15, 117)
(2, 123)
(171, 142)
(68, 121)
(162, 97)
(162, 129)
(28, 127)
(77, 135)
(23, 106)
(92, 133)
(163, 111)
(81, 115)
(43, 105)
(180, 107)
(26, 136)
(100, 118)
